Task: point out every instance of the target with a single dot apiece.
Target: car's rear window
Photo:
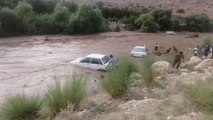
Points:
(139, 50)
(105, 59)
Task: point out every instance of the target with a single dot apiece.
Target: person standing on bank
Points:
(179, 57)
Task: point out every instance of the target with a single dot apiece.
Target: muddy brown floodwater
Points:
(29, 64)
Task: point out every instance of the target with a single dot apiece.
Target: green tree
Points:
(178, 23)
(146, 23)
(87, 20)
(25, 11)
(11, 22)
(163, 18)
(61, 17)
(198, 23)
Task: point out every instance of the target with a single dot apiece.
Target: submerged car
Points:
(139, 51)
(96, 61)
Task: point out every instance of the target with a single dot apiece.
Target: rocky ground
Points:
(158, 103)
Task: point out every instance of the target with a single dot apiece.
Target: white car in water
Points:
(139, 51)
(96, 61)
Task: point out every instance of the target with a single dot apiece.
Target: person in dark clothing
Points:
(206, 51)
(175, 49)
(212, 50)
(156, 47)
(168, 50)
(178, 58)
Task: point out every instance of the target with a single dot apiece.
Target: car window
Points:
(139, 50)
(105, 59)
(95, 61)
(85, 60)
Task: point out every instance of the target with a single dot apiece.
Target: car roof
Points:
(96, 56)
(140, 47)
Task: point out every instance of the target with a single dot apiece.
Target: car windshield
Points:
(105, 59)
(139, 50)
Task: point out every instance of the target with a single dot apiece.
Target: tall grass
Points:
(201, 94)
(72, 93)
(118, 79)
(169, 57)
(20, 107)
(147, 72)
(207, 41)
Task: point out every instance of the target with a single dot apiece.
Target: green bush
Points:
(169, 57)
(198, 23)
(61, 96)
(147, 72)
(118, 79)
(60, 18)
(178, 23)
(163, 18)
(20, 107)
(72, 6)
(43, 24)
(9, 3)
(87, 20)
(207, 41)
(43, 6)
(24, 11)
(11, 22)
(146, 23)
(130, 22)
(200, 94)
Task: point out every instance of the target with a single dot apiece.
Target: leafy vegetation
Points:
(87, 20)
(200, 94)
(207, 41)
(146, 23)
(117, 82)
(62, 96)
(147, 72)
(20, 107)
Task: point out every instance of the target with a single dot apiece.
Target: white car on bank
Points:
(139, 51)
(95, 61)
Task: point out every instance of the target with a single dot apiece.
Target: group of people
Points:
(203, 51)
(178, 59)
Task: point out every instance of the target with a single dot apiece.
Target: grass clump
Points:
(147, 72)
(118, 79)
(20, 107)
(201, 95)
(207, 41)
(72, 93)
(169, 57)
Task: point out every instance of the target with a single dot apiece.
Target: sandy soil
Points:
(29, 64)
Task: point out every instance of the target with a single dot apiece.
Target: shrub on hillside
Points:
(60, 18)
(9, 3)
(198, 23)
(117, 12)
(87, 20)
(182, 11)
(11, 22)
(200, 94)
(72, 93)
(146, 23)
(163, 18)
(20, 107)
(117, 82)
